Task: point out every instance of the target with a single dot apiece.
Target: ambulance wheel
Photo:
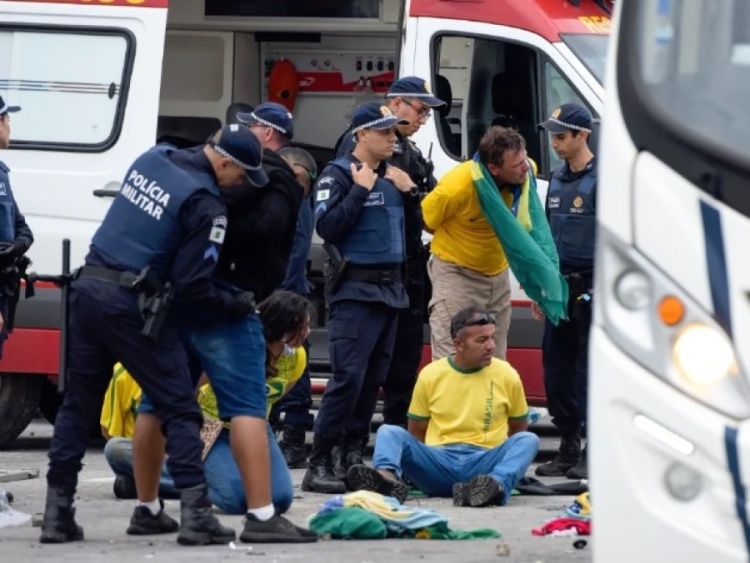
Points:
(19, 403)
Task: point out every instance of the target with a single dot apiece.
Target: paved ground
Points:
(104, 520)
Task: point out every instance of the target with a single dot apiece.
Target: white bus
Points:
(670, 348)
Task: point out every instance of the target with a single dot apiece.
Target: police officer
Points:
(408, 98)
(165, 228)
(360, 202)
(571, 203)
(15, 234)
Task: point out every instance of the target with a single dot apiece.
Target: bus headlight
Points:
(633, 290)
(702, 355)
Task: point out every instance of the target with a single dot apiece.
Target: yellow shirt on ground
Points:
(120, 404)
(289, 368)
(468, 407)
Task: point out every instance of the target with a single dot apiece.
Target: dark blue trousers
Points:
(362, 335)
(106, 329)
(565, 352)
(407, 353)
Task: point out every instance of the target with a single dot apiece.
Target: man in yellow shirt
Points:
(468, 264)
(467, 433)
(119, 411)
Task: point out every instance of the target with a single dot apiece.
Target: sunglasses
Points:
(478, 320)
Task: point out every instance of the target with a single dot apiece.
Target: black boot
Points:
(581, 469)
(568, 456)
(352, 453)
(319, 477)
(59, 525)
(293, 446)
(197, 525)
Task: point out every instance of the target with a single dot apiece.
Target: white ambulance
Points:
(100, 81)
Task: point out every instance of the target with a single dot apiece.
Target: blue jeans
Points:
(435, 469)
(119, 454)
(225, 488)
(234, 357)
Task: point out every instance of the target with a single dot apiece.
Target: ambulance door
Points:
(87, 76)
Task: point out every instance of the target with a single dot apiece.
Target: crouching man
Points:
(467, 425)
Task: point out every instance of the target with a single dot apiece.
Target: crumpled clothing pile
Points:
(574, 521)
(368, 515)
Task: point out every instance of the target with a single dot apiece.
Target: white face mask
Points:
(288, 350)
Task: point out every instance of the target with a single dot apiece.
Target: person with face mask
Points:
(286, 325)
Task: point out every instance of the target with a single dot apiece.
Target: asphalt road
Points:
(104, 520)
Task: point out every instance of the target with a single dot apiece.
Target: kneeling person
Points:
(474, 449)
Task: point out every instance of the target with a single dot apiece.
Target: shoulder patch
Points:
(325, 180)
(220, 221)
(323, 195)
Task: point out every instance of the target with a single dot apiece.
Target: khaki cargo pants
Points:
(454, 288)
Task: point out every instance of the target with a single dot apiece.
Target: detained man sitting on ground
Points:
(286, 325)
(467, 426)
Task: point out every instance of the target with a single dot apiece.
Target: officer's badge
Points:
(427, 87)
(3, 189)
(556, 113)
(577, 202)
(386, 111)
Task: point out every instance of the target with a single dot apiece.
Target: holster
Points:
(334, 268)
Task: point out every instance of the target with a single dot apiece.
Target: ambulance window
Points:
(557, 91)
(71, 86)
(493, 83)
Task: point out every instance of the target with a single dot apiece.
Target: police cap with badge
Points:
(272, 115)
(238, 144)
(374, 115)
(414, 87)
(568, 117)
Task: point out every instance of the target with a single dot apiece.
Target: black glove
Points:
(245, 303)
(11, 249)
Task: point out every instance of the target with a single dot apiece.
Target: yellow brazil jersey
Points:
(462, 234)
(289, 368)
(120, 404)
(468, 407)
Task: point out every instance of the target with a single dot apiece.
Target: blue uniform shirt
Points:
(339, 202)
(196, 255)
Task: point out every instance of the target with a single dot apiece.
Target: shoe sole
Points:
(460, 495)
(361, 477)
(60, 538)
(483, 490)
(197, 538)
(307, 487)
(143, 531)
(250, 537)
(558, 471)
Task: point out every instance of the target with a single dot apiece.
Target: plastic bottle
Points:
(10, 517)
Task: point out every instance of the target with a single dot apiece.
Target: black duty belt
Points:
(585, 275)
(368, 275)
(127, 280)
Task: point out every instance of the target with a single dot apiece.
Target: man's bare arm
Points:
(418, 428)
(516, 425)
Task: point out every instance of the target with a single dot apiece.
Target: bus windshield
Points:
(695, 67)
(591, 49)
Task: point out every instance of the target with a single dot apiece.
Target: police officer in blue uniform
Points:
(571, 204)
(161, 235)
(360, 202)
(408, 98)
(15, 234)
